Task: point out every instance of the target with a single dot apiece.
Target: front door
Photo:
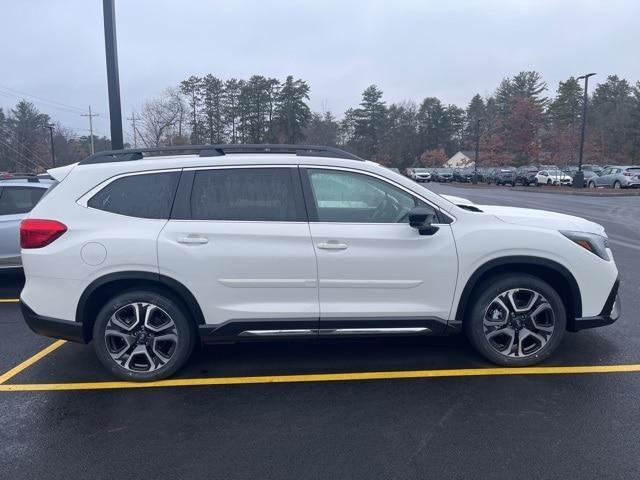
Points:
(239, 241)
(374, 270)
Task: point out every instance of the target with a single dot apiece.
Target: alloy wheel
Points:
(141, 337)
(518, 322)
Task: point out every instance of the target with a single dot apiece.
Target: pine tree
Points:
(369, 121)
(212, 98)
(292, 112)
(192, 89)
(231, 107)
(566, 109)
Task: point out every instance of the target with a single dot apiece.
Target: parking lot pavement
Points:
(559, 424)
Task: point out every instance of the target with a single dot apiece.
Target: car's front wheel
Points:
(142, 335)
(516, 320)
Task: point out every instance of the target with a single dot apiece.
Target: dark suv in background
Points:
(503, 176)
(526, 175)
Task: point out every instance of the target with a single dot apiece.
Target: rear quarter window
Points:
(148, 195)
(17, 199)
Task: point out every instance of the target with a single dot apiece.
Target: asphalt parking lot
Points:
(338, 409)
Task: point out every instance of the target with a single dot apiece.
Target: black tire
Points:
(549, 182)
(181, 327)
(484, 298)
(617, 185)
(537, 182)
(591, 185)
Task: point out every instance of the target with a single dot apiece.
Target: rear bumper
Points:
(610, 313)
(53, 327)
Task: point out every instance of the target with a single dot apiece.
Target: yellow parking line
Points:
(30, 361)
(9, 300)
(324, 377)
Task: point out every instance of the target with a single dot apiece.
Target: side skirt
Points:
(268, 329)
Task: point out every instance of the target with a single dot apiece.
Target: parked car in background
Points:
(17, 198)
(464, 175)
(617, 177)
(443, 175)
(503, 176)
(526, 175)
(421, 175)
(587, 172)
(553, 176)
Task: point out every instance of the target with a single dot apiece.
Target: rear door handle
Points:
(333, 245)
(193, 240)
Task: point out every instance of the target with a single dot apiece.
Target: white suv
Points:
(147, 255)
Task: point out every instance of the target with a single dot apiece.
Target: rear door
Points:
(373, 268)
(239, 240)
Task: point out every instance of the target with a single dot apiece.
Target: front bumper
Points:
(53, 327)
(609, 314)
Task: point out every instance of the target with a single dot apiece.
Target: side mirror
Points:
(422, 219)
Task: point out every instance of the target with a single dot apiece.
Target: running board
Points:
(334, 332)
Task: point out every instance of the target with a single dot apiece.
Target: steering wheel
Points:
(389, 207)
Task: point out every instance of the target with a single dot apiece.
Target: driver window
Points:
(357, 198)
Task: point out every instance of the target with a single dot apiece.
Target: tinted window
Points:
(248, 194)
(14, 200)
(143, 196)
(356, 198)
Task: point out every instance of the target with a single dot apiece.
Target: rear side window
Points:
(246, 194)
(15, 200)
(144, 196)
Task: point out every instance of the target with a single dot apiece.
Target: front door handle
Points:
(193, 240)
(333, 245)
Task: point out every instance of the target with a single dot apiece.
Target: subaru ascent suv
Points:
(144, 253)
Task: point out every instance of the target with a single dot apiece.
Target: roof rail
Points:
(217, 151)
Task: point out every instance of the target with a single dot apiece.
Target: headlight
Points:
(596, 244)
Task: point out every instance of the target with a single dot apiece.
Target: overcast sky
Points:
(54, 50)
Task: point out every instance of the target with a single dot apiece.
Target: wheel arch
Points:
(557, 275)
(102, 288)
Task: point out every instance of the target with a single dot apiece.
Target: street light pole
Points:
(578, 179)
(53, 152)
(113, 81)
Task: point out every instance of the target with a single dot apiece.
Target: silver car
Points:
(617, 177)
(17, 197)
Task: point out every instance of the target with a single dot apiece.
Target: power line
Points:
(42, 99)
(24, 146)
(33, 163)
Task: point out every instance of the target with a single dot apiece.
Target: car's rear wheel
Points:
(516, 320)
(617, 185)
(143, 336)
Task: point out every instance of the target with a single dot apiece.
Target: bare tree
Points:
(161, 120)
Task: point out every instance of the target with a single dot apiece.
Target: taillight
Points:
(628, 174)
(39, 233)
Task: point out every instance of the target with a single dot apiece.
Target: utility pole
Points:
(578, 179)
(53, 152)
(113, 81)
(135, 134)
(90, 115)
